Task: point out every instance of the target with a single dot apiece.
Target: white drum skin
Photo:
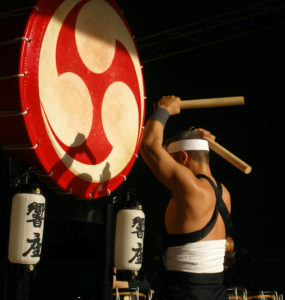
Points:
(77, 112)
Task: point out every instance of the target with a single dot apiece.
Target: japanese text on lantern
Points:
(35, 212)
(138, 224)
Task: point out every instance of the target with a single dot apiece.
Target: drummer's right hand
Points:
(171, 103)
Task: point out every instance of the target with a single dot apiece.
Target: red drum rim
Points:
(100, 173)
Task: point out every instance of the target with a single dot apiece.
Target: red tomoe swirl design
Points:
(88, 152)
(70, 61)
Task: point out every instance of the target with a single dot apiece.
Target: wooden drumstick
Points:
(230, 157)
(211, 102)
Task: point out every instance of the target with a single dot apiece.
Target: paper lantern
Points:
(26, 228)
(130, 225)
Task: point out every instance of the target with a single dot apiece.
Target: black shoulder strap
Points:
(221, 204)
(182, 239)
(225, 212)
(195, 236)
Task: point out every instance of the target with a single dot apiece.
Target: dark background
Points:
(250, 64)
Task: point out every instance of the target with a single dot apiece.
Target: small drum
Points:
(264, 295)
(237, 294)
(72, 93)
(132, 294)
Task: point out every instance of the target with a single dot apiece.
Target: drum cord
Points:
(20, 147)
(6, 114)
(15, 40)
(19, 12)
(16, 13)
(12, 76)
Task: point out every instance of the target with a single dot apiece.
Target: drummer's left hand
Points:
(206, 133)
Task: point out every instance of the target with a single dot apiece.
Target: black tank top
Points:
(195, 236)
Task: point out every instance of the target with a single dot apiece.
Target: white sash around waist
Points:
(199, 257)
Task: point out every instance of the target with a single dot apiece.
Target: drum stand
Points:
(4, 228)
(16, 281)
(109, 254)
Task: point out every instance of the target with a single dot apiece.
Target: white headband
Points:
(192, 144)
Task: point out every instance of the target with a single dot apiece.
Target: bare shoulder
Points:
(196, 194)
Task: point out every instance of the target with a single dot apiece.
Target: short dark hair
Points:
(198, 155)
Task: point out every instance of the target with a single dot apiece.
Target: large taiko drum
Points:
(72, 94)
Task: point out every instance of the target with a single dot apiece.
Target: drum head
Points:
(83, 88)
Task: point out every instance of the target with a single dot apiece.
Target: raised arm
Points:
(152, 137)
(161, 163)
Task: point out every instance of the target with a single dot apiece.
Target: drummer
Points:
(195, 228)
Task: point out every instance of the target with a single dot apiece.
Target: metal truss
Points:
(220, 28)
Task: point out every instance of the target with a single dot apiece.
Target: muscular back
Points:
(193, 199)
(192, 211)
